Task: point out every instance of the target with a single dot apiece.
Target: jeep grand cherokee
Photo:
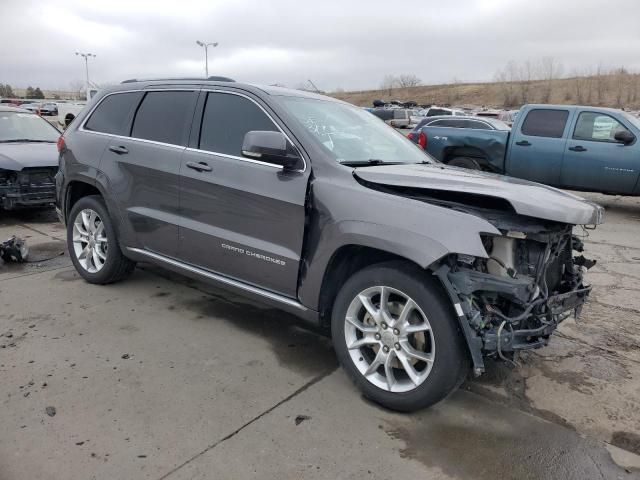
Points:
(417, 270)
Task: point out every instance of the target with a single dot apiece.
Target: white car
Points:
(68, 111)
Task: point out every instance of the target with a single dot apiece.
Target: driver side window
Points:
(597, 127)
(226, 119)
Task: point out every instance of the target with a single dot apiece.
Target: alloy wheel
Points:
(90, 240)
(389, 339)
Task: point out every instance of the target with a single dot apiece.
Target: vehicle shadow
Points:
(28, 215)
(295, 345)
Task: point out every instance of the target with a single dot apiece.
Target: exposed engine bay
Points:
(531, 280)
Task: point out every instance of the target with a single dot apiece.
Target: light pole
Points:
(206, 54)
(86, 68)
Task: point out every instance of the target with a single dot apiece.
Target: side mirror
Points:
(271, 147)
(624, 136)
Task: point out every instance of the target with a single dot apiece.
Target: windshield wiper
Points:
(26, 140)
(371, 161)
(375, 161)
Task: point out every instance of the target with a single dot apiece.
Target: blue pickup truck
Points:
(573, 147)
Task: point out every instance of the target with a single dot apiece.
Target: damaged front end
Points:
(513, 300)
(29, 187)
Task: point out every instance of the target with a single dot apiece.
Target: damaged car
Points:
(28, 159)
(419, 271)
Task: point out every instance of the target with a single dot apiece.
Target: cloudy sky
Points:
(336, 43)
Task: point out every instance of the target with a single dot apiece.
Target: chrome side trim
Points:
(234, 157)
(134, 139)
(222, 279)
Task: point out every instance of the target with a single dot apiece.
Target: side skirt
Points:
(270, 298)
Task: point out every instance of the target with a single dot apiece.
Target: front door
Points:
(537, 147)
(240, 217)
(594, 160)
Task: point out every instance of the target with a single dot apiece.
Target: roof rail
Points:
(211, 78)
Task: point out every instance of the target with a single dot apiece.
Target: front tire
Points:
(93, 245)
(395, 334)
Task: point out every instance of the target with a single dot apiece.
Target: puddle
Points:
(470, 437)
(627, 441)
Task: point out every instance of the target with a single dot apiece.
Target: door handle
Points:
(578, 148)
(199, 166)
(523, 143)
(119, 149)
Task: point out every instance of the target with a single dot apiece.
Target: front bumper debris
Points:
(559, 307)
(28, 188)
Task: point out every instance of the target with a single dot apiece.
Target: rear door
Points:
(240, 217)
(143, 168)
(537, 146)
(594, 160)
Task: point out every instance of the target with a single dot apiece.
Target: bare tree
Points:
(601, 83)
(506, 79)
(579, 81)
(550, 69)
(619, 76)
(453, 92)
(407, 80)
(525, 76)
(634, 86)
(389, 82)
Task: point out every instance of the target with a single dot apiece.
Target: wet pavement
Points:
(163, 377)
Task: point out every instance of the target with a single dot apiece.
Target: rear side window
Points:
(226, 120)
(164, 117)
(112, 114)
(477, 125)
(545, 123)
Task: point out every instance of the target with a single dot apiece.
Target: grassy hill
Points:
(613, 90)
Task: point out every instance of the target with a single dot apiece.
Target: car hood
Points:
(16, 156)
(526, 198)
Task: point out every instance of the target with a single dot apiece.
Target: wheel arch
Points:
(75, 190)
(465, 151)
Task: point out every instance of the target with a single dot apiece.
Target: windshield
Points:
(635, 121)
(17, 126)
(352, 135)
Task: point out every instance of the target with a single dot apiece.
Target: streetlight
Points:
(206, 54)
(86, 67)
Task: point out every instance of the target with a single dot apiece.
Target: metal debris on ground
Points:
(301, 418)
(14, 250)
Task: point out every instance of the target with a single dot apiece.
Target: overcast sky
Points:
(336, 43)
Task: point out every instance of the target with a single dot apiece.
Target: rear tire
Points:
(93, 244)
(465, 162)
(375, 348)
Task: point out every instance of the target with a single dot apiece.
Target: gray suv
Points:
(417, 270)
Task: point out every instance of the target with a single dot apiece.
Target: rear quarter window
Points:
(113, 112)
(545, 123)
